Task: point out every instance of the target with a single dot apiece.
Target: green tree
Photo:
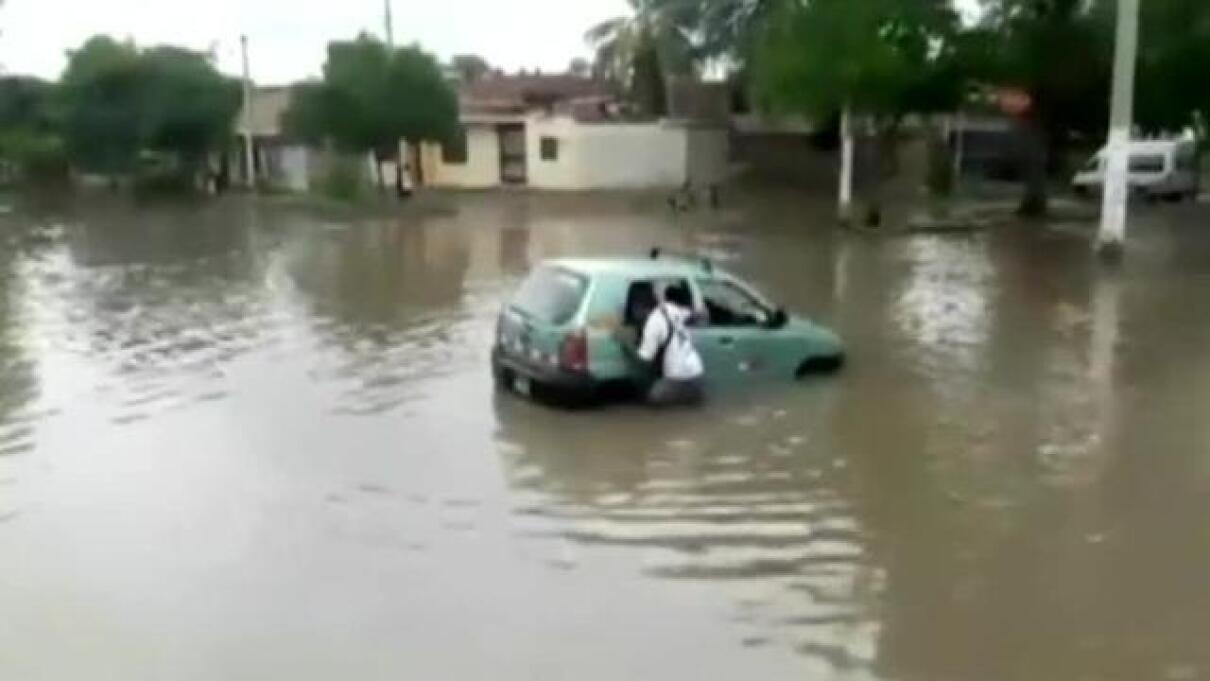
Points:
(1058, 52)
(101, 101)
(470, 67)
(731, 29)
(1173, 85)
(28, 136)
(878, 59)
(188, 107)
(370, 98)
(642, 51)
(25, 103)
(579, 67)
(115, 102)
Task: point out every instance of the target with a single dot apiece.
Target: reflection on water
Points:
(751, 504)
(242, 440)
(18, 381)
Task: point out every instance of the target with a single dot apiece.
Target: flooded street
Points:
(245, 441)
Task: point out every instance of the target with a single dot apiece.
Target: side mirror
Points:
(778, 319)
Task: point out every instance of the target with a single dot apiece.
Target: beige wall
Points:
(590, 156)
(623, 156)
(482, 167)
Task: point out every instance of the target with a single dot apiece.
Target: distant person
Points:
(666, 346)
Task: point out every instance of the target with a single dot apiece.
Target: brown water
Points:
(252, 442)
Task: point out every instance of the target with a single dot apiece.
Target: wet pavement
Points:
(248, 441)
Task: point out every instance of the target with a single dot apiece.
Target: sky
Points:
(287, 38)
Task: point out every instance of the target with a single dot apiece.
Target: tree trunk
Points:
(1035, 202)
(418, 166)
(882, 164)
(400, 189)
(378, 173)
(845, 202)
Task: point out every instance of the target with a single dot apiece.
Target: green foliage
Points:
(25, 103)
(648, 87)
(1173, 84)
(189, 108)
(28, 140)
(370, 98)
(39, 157)
(1059, 51)
(882, 58)
(579, 67)
(116, 101)
(101, 103)
(641, 51)
(343, 180)
(470, 67)
(423, 105)
(158, 175)
(306, 119)
(732, 29)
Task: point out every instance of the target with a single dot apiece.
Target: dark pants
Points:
(667, 392)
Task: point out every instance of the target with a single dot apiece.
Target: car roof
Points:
(666, 266)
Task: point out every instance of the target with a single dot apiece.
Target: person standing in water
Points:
(666, 346)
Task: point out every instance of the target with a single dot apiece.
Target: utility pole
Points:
(846, 165)
(249, 152)
(1121, 119)
(390, 23)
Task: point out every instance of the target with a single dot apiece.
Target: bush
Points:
(161, 174)
(343, 180)
(163, 181)
(37, 157)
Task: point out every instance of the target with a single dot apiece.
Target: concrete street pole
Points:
(249, 152)
(390, 23)
(846, 165)
(1121, 119)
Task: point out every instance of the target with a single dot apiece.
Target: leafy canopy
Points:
(371, 97)
(883, 58)
(116, 101)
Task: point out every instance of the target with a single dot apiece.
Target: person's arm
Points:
(654, 332)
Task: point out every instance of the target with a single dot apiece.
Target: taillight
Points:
(573, 352)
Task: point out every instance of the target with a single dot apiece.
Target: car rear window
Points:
(551, 294)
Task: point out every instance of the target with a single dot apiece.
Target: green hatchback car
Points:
(558, 336)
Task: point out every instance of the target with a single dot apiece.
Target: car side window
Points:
(644, 295)
(729, 305)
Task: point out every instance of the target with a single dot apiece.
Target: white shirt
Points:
(681, 361)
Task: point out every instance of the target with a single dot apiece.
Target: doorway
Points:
(513, 168)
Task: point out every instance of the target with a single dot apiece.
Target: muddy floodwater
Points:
(254, 441)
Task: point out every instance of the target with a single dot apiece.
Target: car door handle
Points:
(726, 341)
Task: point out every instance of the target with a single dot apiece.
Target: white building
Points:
(558, 132)
(564, 132)
(277, 161)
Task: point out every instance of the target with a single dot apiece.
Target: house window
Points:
(549, 148)
(453, 151)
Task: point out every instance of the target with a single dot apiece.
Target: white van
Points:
(1158, 169)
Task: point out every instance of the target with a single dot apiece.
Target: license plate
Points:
(522, 385)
